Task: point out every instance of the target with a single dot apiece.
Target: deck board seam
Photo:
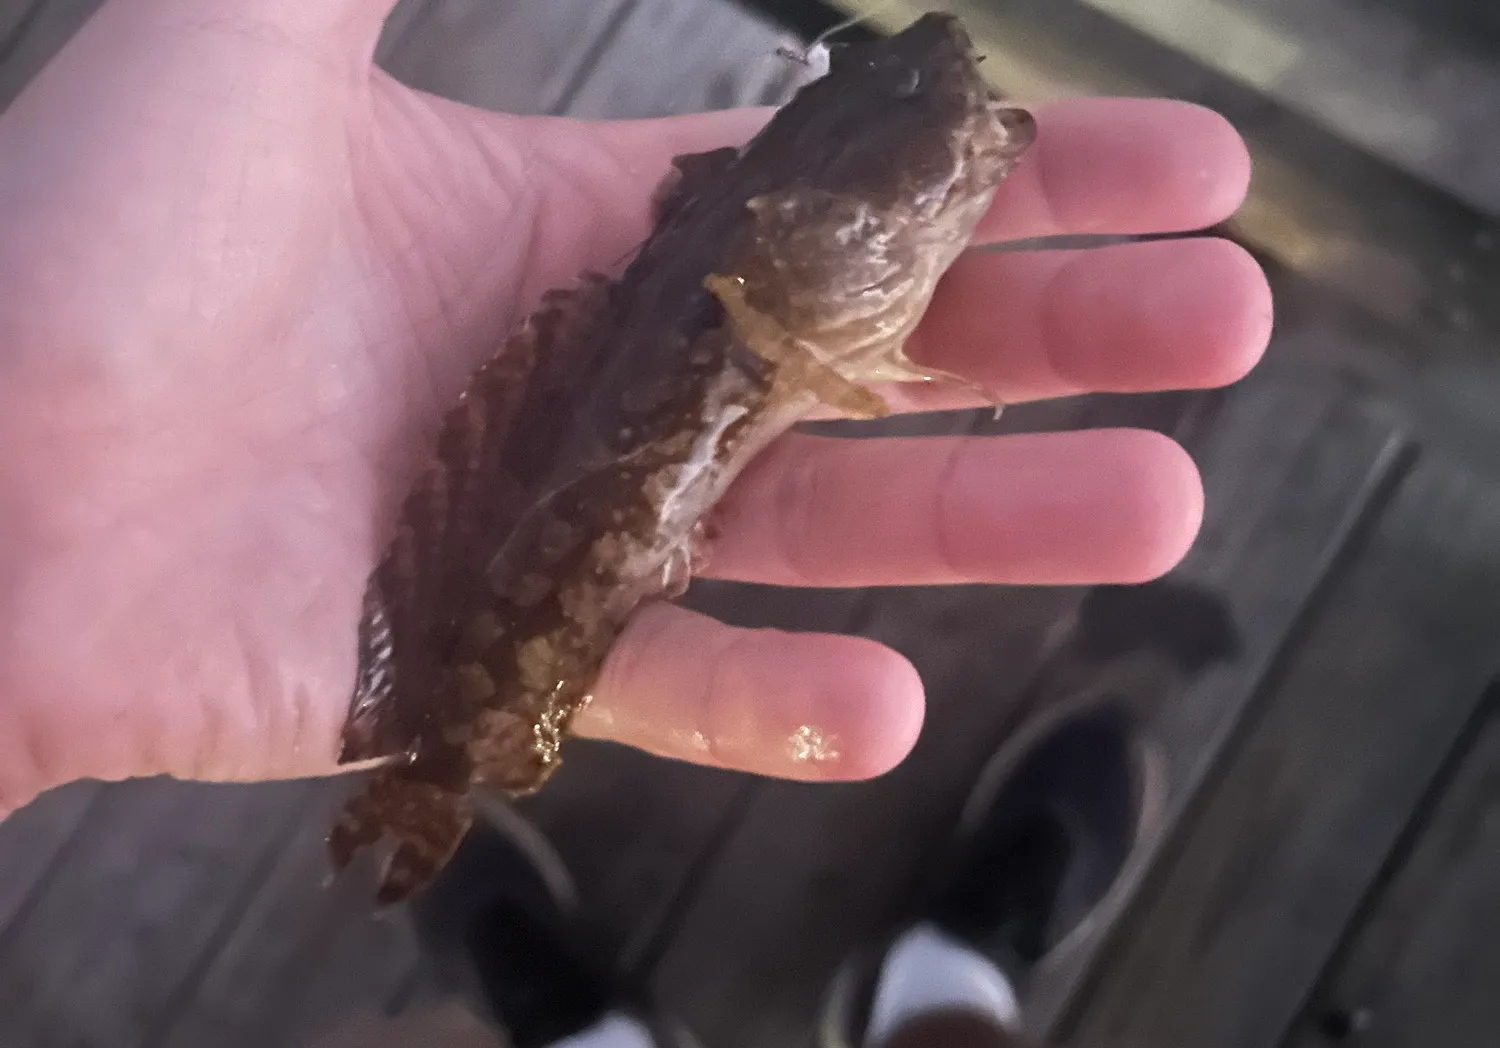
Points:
(639, 957)
(13, 40)
(1390, 470)
(37, 888)
(395, 43)
(1410, 838)
(589, 62)
(229, 919)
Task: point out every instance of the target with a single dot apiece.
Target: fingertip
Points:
(1220, 179)
(1123, 166)
(1156, 519)
(875, 704)
(824, 708)
(1191, 313)
(1244, 315)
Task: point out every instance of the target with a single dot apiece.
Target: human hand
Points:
(244, 273)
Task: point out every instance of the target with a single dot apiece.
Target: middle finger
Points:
(1130, 318)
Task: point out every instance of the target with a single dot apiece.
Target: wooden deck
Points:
(1325, 865)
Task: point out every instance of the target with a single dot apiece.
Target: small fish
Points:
(569, 484)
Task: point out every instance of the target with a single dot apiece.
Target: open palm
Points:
(242, 273)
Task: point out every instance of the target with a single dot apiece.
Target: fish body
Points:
(570, 483)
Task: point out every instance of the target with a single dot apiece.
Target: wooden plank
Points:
(506, 55)
(140, 899)
(33, 839)
(1447, 399)
(501, 54)
(1421, 967)
(31, 33)
(1474, 26)
(403, 20)
(1347, 66)
(630, 828)
(1290, 470)
(1355, 723)
(702, 56)
(303, 956)
(15, 19)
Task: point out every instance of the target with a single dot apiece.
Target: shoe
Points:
(1045, 833)
(499, 928)
(1047, 828)
(1057, 812)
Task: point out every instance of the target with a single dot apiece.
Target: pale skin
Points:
(242, 273)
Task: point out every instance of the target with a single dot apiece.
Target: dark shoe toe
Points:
(497, 927)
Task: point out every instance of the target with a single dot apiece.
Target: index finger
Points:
(1121, 166)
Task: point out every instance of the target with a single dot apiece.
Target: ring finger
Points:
(1100, 506)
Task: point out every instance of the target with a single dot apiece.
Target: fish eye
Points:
(906, 82)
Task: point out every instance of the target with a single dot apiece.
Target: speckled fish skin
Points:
(569, 483)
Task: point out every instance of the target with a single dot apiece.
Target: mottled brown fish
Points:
(569, 483)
